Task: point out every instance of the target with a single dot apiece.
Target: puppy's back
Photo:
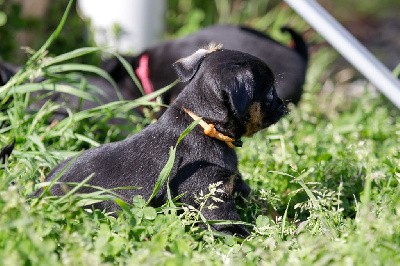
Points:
(136, 160)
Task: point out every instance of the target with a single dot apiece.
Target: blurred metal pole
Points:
(349, 47)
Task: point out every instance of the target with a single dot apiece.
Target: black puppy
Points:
(6, 72)
(154, 65)
(6, 152)
(234, 94)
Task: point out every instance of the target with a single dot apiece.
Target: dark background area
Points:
(375, 23)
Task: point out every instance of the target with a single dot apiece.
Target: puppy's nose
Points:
(283, 109)
(280, 106)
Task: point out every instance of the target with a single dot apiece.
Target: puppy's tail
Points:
(6, 72)
(6, 152)
(298, 44)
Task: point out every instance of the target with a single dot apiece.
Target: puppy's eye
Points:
(270, 95)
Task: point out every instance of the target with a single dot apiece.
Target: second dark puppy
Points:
(234, 94)
(154, 65)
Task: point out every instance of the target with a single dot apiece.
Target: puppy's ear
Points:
(240, 101)
(187, 67)
(240, 93)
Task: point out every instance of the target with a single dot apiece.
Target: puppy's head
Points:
(233, 90)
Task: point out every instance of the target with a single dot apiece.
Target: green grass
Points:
(325, 183)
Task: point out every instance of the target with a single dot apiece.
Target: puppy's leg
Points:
(221, 205)
(226, 210)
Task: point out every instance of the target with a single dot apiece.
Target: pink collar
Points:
(143, 74)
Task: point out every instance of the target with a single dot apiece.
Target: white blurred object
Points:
(349, 47)
(127, 25)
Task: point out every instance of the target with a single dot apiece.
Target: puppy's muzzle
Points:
(276, 110)
(278, 106)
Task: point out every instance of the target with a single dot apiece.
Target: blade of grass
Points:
(130, 71)
(284, 219)
(92, 198)
(44, 110)
(166, 171)
(24, 72)
(82, 68)
(86, 139)
(58, 176)
(328, 226)
(110, 191)
(71, 55)
(118, 106)
(32, 87)
(396, 71)
(146, 99)
(124, 205)
(75, 189)
(37, 142)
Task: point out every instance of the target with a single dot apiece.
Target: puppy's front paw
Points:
(233, 229)
(226, 211)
